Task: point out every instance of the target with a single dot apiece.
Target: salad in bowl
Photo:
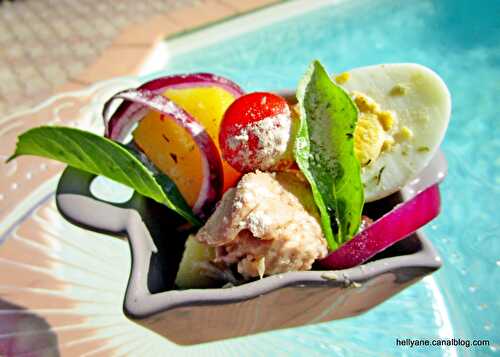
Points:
(268, 184)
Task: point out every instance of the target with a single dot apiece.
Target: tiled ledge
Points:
(132, 46)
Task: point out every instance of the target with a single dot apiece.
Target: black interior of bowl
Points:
(169, 237)
(377, 209)
(409, 245)
(165, 227)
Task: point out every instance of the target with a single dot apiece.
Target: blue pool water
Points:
(460, 40)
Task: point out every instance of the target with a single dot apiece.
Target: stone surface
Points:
(47, 43)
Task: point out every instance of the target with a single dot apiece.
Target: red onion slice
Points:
(128, 113)
(399, 223)
(211, 189)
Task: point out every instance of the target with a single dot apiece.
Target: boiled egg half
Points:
(404, 110)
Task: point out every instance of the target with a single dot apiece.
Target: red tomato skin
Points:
(244, 111)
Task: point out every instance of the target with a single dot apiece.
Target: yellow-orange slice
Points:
(170, 147)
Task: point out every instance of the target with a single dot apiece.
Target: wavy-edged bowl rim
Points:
(77, 204)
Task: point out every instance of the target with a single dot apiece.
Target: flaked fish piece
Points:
(263, 228)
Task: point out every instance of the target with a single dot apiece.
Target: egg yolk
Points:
(372, 132)
(365, 104)
(342, 78)
(368, 138)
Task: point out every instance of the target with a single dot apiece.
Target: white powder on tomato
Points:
(272, 134)
(235, 141)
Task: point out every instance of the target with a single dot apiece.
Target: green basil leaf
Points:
(324, 151)
(167, 185)
(104, 157)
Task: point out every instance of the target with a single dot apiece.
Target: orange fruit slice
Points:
(172, 150)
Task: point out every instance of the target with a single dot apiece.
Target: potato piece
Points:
(190, 274)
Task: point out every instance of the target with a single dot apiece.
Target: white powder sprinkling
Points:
(235, 141)
(272, 134)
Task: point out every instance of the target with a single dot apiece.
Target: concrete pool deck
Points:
(48, 47)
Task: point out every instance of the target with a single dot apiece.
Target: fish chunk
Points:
(263, 228)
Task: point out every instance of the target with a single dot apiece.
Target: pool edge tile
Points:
(202, 14)
(115, 61)
(249, 5)
(131, 48)
(148, 33)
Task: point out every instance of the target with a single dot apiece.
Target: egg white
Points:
(424, 109)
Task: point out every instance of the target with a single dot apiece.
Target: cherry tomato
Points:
(255, 132)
